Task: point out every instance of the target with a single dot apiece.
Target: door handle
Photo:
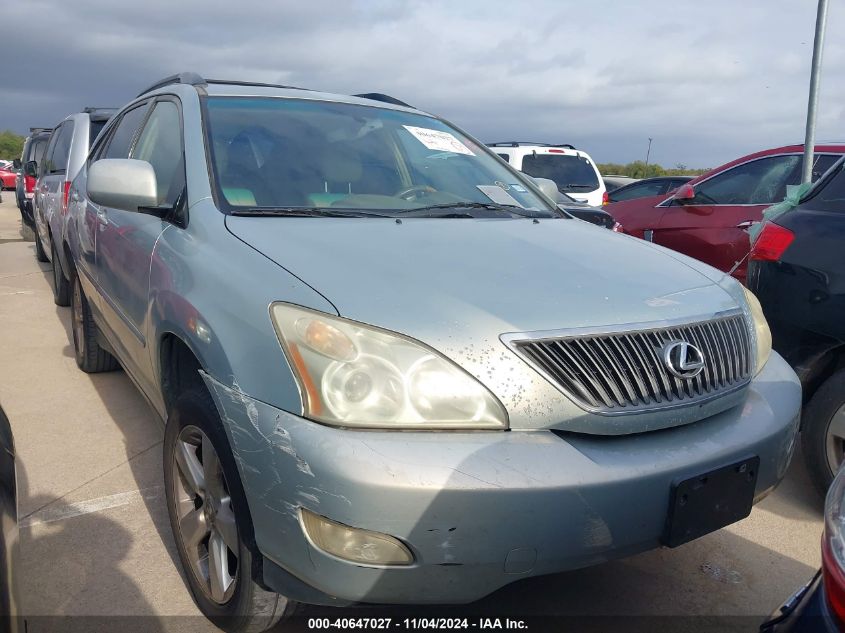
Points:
(746, 224)
(102, 218)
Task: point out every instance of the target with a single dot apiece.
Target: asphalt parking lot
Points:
(96, 541)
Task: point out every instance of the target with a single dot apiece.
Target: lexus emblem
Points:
(683, 359)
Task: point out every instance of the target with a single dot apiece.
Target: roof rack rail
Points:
(518, 143)
(37, 130)
(192, 79)
(252, 83)
(93, 109)
(379, 96)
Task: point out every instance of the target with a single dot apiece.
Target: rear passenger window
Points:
(504, 157)
(121, 139)
(831, 196)
(160, 144)
(821, 163)
(58, 150)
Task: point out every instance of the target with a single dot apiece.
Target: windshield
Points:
(291, 154)
(570, 173)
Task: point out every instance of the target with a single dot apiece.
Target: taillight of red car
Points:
(29, 183)
(605, 199)
(833, 548)
(65, 196)
(771, 243)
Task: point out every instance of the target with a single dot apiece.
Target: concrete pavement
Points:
(96, 539)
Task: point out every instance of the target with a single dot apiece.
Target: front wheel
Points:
(823, 431)
(210, 520)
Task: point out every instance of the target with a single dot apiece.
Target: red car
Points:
(708, 218)
(8, 178)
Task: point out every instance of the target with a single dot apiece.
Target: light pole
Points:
(813, 103)
(647, 154)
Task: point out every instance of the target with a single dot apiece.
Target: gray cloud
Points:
(708, 81)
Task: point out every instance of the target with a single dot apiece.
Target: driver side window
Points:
(761, 181)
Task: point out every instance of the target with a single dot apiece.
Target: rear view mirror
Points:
(122, 183)
(16, 163)
(548, 187)
(684, 194)
(30, 168)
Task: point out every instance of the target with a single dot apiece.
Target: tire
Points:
(40, 253)
(90, 357)
(241, 605)
(61, 286)
(821, 439)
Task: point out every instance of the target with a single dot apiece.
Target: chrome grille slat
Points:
(644, 363)
(641, 389)
(621, 372)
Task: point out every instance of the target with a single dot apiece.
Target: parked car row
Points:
(708, 217)
(391, 369)
(33, 151)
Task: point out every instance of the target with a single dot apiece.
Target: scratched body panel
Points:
(465, 502)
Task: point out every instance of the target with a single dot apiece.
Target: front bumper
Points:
(482, 509)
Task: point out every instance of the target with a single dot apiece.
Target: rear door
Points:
(125, 245)
(713, 226)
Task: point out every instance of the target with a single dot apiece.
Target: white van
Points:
(573, 170)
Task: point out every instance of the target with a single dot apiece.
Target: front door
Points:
(713, 226)
(125, 247)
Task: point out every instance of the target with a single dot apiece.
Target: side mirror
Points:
(548, 187)
(122, 183)
(684, 194)
(16, 163)
(30, 168)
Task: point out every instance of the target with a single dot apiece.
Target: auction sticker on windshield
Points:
(437, 140)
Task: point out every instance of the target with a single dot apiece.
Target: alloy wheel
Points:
(207, 527)
(835, 440)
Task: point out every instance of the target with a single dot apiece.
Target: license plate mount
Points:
(710, 501)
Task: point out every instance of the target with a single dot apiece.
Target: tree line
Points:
(11, 145)
(638, 169)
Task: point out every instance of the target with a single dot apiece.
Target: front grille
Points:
(623, 372)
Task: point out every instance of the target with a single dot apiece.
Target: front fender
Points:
(213, 291)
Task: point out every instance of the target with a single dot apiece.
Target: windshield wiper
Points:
(449, 210)
(579, 186)
(307, 212)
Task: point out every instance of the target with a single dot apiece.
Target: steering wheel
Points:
(417, 191)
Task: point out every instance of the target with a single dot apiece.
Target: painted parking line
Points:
(55, 512)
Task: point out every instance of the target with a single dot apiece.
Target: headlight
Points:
(754, 312)
(356, 375)
(762, 333)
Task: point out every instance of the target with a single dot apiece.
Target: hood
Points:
(426, 274)
(458, 284)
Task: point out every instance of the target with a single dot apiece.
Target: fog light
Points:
(353, 544)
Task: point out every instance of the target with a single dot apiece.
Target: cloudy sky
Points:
(708, 81)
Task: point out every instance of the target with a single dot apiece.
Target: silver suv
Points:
(391, 370)
(65, 153)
